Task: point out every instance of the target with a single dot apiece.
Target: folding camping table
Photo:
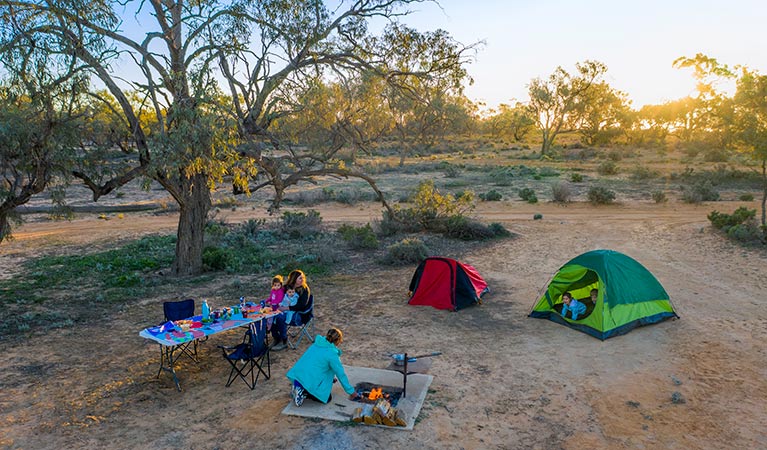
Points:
(172, 342)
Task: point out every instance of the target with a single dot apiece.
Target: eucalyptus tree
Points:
(215, 75)
(554, 102)
(43, 108)
(514, 121)
(708, 112)
(601, 114)
(750, 105)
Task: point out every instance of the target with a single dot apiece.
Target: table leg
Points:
(404, 381)
(166, 355)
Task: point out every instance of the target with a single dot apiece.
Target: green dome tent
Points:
(629, 295)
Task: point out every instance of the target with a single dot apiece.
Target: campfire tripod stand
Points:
(401, 364)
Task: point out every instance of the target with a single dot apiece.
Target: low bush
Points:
(359, 238)
(537, 216)
(491, 196)
(659, 197)
(431, 208)
(499, 230)
(547, 172)
(451, 171)
(746, 197)
(723, 221)
(748, 233)
(467, 229)
(352, 196)
(528, 195)
(607, 168)
(740, 226)
(252, 227)
(700, 191)
(640, 173)
(215, 258)
(561, 192)
(599, 195)
(300, 224)
(407, 251)
(576, 177)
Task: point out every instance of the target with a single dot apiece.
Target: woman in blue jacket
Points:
(312, 375)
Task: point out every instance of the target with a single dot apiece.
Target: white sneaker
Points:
(298, 395)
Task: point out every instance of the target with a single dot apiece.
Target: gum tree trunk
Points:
(194, 201)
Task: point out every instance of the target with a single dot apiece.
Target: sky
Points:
(638, 41)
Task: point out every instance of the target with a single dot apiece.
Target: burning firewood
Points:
(382, 413)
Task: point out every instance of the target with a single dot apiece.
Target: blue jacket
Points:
(576, 307)
(317, 367)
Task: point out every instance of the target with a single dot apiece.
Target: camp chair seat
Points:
(249, 359)
(302, 325)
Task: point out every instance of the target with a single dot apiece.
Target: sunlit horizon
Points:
(638, 43)
(528, 39)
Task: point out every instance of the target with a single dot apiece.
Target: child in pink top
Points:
(275, 297)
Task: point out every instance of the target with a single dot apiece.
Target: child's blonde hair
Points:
(277, 279)
(335, 336)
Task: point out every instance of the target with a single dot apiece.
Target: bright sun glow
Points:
(637, 41)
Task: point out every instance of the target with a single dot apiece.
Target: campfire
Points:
(370, 393)
(379, 405)
(375, 394)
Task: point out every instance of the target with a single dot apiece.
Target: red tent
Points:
(445, 283)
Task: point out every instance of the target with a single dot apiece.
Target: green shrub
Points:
(407, 251)
(312, 197)
(215, 258)
(491, 196)
(745, 232)
(716, 155)
(659, 197)
(547, 172)
(359, 238)
(499, 230)
(252, 227)
(607, 168)
(451, 171)
(615, 155)
(466, 229)
(576, 177)
(640, 173)
(216, 228)
(561, 192)
(431, 208)
(723, 221)
(537, 216)
(746, 197)
(700, 191)
(352, 196)
(528, 195)
(300, 224)
(600, 195)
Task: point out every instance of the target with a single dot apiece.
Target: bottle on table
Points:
(205, 310)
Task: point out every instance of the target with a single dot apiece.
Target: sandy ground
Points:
(505, 381)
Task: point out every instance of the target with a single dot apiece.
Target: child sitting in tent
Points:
(575, 307)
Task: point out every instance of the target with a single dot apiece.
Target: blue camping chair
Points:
(247, 358)
(183, 309)
(302, 325)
